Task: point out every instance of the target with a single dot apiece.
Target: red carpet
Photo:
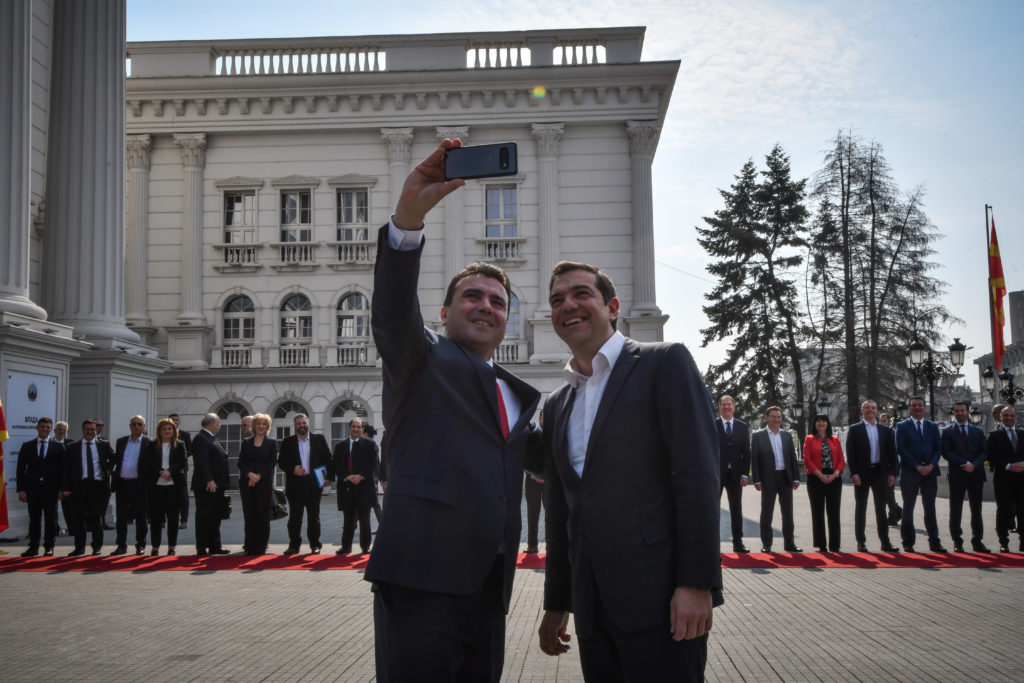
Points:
(104, 563)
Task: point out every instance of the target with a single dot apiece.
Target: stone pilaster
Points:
(138, 154)
(643, 140)
(399, 142)
(15, 129)
(547, 347)
(454, 214)
(193, 159)
(83, 273)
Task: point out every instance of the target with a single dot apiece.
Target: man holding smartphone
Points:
(458, 433)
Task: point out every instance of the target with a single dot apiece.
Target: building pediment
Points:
(352, 180)
(239, 183)
(295, 181)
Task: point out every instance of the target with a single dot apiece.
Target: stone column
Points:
(83, 275)
(137, 228)
(399, 142)
(547, 347)
(193, 158)
(643, 140)
(15, 129)
(454, 214)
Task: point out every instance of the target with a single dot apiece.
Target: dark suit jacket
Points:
(152, 458)
(957, 453)
(73, 472)
(644, 518)
(734, 448)
(918, 449)
(187, 438)
(858, 450)
(288, 459)
(1001, 451)
(210, 462)
(762, 458)
(364, 462)
(454, 482)
(115, 477)
(39, 476)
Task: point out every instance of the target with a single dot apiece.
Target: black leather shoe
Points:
(1020, 548)
(315, 549)
(77, 552)
(531, 550)
(120, 550)
(201, 553)
(862, 548)
(95, 551)
(343, 551)
(220, 551)
(766, 549)
(31, 552)
(291, 550)
(364, 551)
(823, 550)
(140, 549)
(958, 547)
(154, 552)
(937, 548)
(49, 552)
(980, 547)
(740, 548)
(170, 551)
(907, 548)
(890, 548)
(107, 527)
(1004, 547)
(793, 549)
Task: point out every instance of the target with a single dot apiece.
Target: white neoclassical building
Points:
(257, 172)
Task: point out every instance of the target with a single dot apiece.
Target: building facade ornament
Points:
(193, 149)
(399, 142)
(547, 136)
(643, 138)
(138, 148)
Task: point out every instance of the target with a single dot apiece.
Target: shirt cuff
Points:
(403, 240)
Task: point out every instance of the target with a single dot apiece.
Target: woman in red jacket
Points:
(823, 457)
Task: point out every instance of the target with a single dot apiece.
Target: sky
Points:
(939, 84)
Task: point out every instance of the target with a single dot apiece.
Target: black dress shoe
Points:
(364, 551)
(77, 552)
(343, 551)
(793, 549)
(95, 551)
(1004, 547)
(822, 549)
(908, 548)
(890, 548)
(140, 549)
(170, 551)
(290, 550)
(315, 549)
(958, 547)
(107, 527)
(862, 548)
(49, 552)
(937, 548)
(980, 547)
(120, 550)
(220, 551)
(31, 552)
(201, 553)
(740, 548)
(531, 550)
(154, 552)
(766, 549)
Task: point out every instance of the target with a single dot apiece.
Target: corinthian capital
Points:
(193, 148)
(452, 132)
(643, 137)
(137, 151)
(399, 141)
(547, 135)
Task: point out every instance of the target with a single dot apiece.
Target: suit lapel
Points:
(620, 372)
(561, 437)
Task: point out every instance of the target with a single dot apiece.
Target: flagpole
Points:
(991, 292)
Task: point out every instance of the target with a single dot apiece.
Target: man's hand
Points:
(22, 496)
(757, 486)
(298, 471)
(424, 188)
(796, 485)
(690, 613)
(925, 470)
(355, 478)
(968, 467)
(743, 480)
(553, 638)
(856, 479)
(165, 474)
(211, 486)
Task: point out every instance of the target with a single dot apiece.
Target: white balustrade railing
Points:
(512, 351)
(502, 248)
(248, 61)
(236, 357)
(240, 255)
(354, 252)
(353, 354)
(293, 356)
(296, 253)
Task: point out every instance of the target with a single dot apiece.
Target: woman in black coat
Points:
(256, 462)
(163, 469)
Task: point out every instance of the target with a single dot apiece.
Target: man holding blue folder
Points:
(301, 454)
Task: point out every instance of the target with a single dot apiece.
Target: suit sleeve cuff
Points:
(403, 240)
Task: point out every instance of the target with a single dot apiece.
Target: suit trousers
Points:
(534, 493)
(87, 506)
(912, 483)
(131, 495)
(304, 498)
(825, 500)
(256, 502)
(875, 482)
(351, 514)
(164, 502)
(1009, 487)
(183, 504)
(781, 488)
(440, 637)
(734, 490)
(972, 486)
(641, 657)
(208, 518)
(42, 508)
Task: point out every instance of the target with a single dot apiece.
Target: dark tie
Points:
(920, 431)
(501, 411)
(42, 449)
(728, 428)
(88, 461)
(1013, 437)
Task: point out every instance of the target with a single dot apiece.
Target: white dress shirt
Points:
(589, 391)
(304, 453)
(872, 430)
(165, 463)
(775, 438)
(130, 458)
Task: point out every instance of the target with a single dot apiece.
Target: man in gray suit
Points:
(776, 476)
(631, 513)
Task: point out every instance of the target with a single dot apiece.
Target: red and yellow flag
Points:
(4, 521)
(997, 287)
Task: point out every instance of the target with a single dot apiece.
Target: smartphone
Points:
(481, 161)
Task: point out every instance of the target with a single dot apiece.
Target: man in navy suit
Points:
(919, 445)
(355, 462)
(632, 514)
(776, 476)
(458, 428)
(38, 477)
(1006, 456)
(964, 446)
(871, 457)
(734, 453)
(209, 482)
(86, 473)
(129, 489)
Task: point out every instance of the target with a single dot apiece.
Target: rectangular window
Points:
(501, 211)
(353, 215)
(238, 329)
(296, 211)
(296, 327)
(239, 217)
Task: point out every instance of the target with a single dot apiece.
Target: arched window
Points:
(296, 319)
(239, 321)
(230, 434)
(283, 416)
(353, 318)
(343, 414)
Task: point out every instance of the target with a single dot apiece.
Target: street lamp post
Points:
(922, 363)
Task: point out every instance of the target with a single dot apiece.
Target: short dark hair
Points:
(917, 398)
(828, 424)
(487, 270)
(44, 420)
(771, 409)
(963, 403)
(88, 421)
(604, 283)
(173, 415)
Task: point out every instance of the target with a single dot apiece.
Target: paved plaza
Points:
(776, 625)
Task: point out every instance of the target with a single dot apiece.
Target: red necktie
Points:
(963, 432)
(501, 412)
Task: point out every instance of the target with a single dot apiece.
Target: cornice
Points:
(293, 181)
(352, 180)
(239, 183)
